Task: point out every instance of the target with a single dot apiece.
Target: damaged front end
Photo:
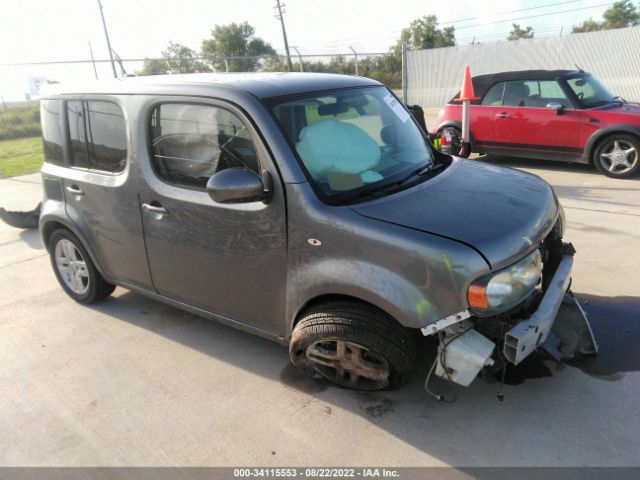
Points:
(549, 317)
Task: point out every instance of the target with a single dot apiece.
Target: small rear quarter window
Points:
(51, 119)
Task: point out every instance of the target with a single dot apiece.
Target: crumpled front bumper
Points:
(558, 324)
(558, 318)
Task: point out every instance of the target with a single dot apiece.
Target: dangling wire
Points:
(500, 394)
(441, 355)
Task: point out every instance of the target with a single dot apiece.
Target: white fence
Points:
(434, 76)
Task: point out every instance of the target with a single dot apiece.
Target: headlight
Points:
(505, 289)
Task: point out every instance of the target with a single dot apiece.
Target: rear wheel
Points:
(74, 269)
(353, 345)
(617, 156)
(454, 139)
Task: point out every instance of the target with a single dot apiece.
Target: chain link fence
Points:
(20, 144)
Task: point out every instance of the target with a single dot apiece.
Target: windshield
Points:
(353, 139)
(590, 91)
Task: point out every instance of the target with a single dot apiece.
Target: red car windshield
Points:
(590, 91)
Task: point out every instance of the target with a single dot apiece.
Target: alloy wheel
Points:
(349, 364)
(618, 157)
(72, 267)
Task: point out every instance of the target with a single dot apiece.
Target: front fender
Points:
(598, 135)
(364, 281)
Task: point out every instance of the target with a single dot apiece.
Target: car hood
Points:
(625, 109)
(500, 212)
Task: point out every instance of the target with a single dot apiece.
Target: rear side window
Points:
(191, 142)
(107, 139)
(77, 134)
(494, 95)
(533, 93)
(97, 135)
(50, 118)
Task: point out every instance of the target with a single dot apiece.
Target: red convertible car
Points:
(551, 115)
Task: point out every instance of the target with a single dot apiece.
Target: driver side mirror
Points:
(239, 185)
(557, 106)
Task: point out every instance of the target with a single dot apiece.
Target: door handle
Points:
(154, 209)
(75, 190)
(502, 115)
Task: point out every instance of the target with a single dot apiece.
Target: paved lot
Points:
(133, 382)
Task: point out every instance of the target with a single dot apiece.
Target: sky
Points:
(51, 30)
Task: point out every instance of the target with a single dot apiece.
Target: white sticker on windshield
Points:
(397, 108)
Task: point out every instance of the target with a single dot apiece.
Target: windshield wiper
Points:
(397, 185)
(618, 98)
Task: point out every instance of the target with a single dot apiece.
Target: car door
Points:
(523, 125)
(482, 115)
(228, 259)
(100, 188)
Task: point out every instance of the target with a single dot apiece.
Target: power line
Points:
(534, 16)
(511, 11)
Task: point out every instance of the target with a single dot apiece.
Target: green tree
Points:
(424, 33)
(232, 41)
(589, 25)
(620, 15)
(517, 32)
(176, 58)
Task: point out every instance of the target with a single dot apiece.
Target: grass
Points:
(21, 156)
(20, 122)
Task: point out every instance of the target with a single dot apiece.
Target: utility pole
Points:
(106, 34)
(279, 12)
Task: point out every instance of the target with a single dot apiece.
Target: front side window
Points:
(50, 118)
(352, 138)
(191, 142)
(97, 135)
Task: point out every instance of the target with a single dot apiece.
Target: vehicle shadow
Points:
(616, 326)
(547, 165)
(32, 238)
(506, 161)
(454, 430)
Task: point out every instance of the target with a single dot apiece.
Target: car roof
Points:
(482, 83)
(260, 85)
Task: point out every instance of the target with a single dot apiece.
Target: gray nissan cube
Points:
(309, 209)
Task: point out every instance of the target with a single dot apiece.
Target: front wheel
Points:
(74, 269)
(353, 345)
(617, 156)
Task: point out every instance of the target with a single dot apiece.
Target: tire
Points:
(456, 136)
(353, 345)
(75, 270)
(618, 156)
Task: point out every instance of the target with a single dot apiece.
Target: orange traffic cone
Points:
(466, 92)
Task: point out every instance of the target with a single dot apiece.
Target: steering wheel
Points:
(580, 95)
